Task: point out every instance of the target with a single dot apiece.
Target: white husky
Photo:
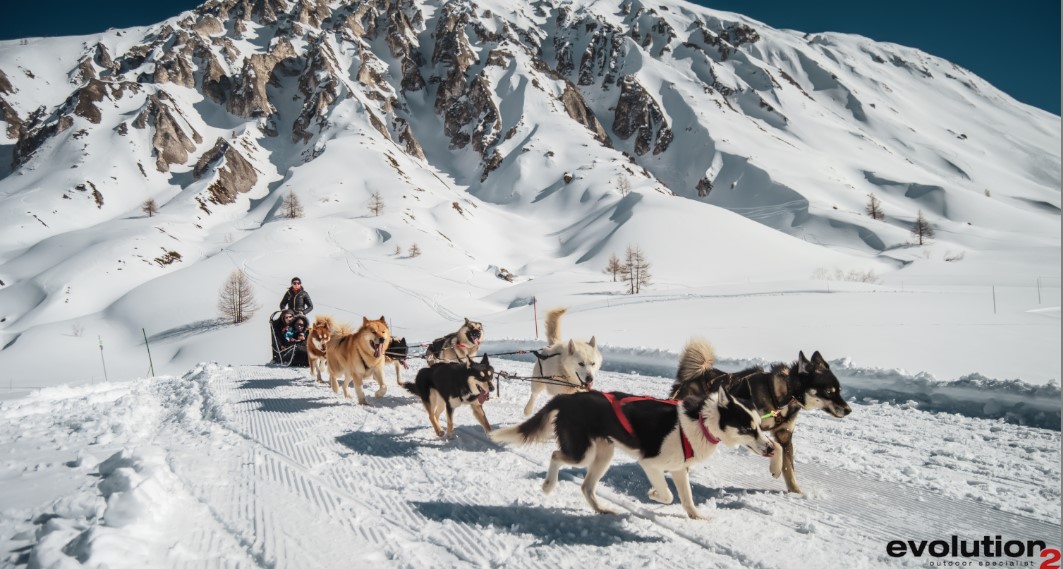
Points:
(576, 363)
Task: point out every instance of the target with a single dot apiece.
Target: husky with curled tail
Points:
(574, 362)
(777, 394)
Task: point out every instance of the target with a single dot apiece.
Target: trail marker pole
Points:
(103, 361)
(151, 366)
(1038, 290)
(535, 313)
(994, 299)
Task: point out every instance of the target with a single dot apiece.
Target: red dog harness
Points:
(688, 450)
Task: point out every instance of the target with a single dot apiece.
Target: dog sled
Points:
(285, 353)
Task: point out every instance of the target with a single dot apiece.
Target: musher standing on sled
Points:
(297, 299)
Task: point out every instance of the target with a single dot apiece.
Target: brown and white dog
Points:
(316, 343)
(457, 346)
(357, 356)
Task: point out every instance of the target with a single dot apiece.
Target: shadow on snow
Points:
(549, 526)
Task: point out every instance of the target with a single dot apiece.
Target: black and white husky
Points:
(664, 435)
(778, 395)
(451, 385)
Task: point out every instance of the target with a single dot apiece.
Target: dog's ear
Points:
(384, 320)
(593, 342)
(571, 347)
(802, 362)
(485, 361)
(466, 321)
(818, 359)
(722, 398)
(365, 321)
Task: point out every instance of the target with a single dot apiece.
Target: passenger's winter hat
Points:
(297, 280)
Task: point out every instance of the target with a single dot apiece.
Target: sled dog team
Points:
(707, 407)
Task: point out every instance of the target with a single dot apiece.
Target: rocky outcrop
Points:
(312, 12)
(638, 114)
(35, 131)
(208, 25)
(400, 39)
(726, 37)
(10, 116)
(704, 187)
(86, 99)
(601, 58)
(406, 137)
(577, 108)
(320, 87)
(101, 57)
(235, 175)
(249, 98)
(5, 84)
(470, 116)
(169, 141)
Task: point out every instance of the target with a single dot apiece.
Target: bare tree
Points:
(398, 250)
(291, 207)
(636, 269)
(624, 185)
(921, 229)
(614, 266)
(415, 251)
(874, 207)
(376, 203)
(236, 300)
(150, 208)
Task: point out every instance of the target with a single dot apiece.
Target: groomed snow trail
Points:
(261, 467)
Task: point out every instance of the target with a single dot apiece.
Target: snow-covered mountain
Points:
(538, 137)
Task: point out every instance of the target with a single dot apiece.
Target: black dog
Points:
(397, 353)
(452, 385)
(778, 394)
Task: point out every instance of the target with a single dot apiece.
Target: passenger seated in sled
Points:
(288, 338)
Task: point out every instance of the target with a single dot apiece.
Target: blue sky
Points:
(1013, 45)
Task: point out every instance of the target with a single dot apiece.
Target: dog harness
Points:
(688, 449)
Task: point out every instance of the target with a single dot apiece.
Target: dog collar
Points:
(705, 431)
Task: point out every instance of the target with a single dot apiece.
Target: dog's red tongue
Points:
(483, 396)
(376, 349)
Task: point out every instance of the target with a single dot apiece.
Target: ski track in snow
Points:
(269, 469)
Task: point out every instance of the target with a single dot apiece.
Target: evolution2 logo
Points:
(985, 552)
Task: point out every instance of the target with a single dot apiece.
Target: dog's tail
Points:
(412, 388)
(553, 325)
(326, 320)
(343, 330)
(538, 429)
(698, 358)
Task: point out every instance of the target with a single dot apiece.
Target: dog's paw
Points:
(548, 486)
(695, 515)
(604, 511)
(440, 433)
(364, 402)
(664, 498)
(380, 392)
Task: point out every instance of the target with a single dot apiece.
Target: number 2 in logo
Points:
(1052, 558)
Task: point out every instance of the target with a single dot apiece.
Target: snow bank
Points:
(1013, 400)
